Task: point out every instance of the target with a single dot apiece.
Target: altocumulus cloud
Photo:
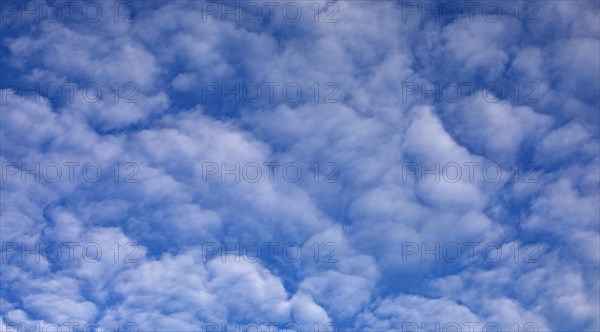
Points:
(328, 165)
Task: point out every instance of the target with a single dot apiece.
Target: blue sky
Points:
(298, 165)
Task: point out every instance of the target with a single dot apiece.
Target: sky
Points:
(300, 166)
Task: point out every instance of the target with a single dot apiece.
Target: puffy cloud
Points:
(227, 289)
(494, 128)
(410, 312)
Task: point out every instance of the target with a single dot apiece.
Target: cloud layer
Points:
(355, 165)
